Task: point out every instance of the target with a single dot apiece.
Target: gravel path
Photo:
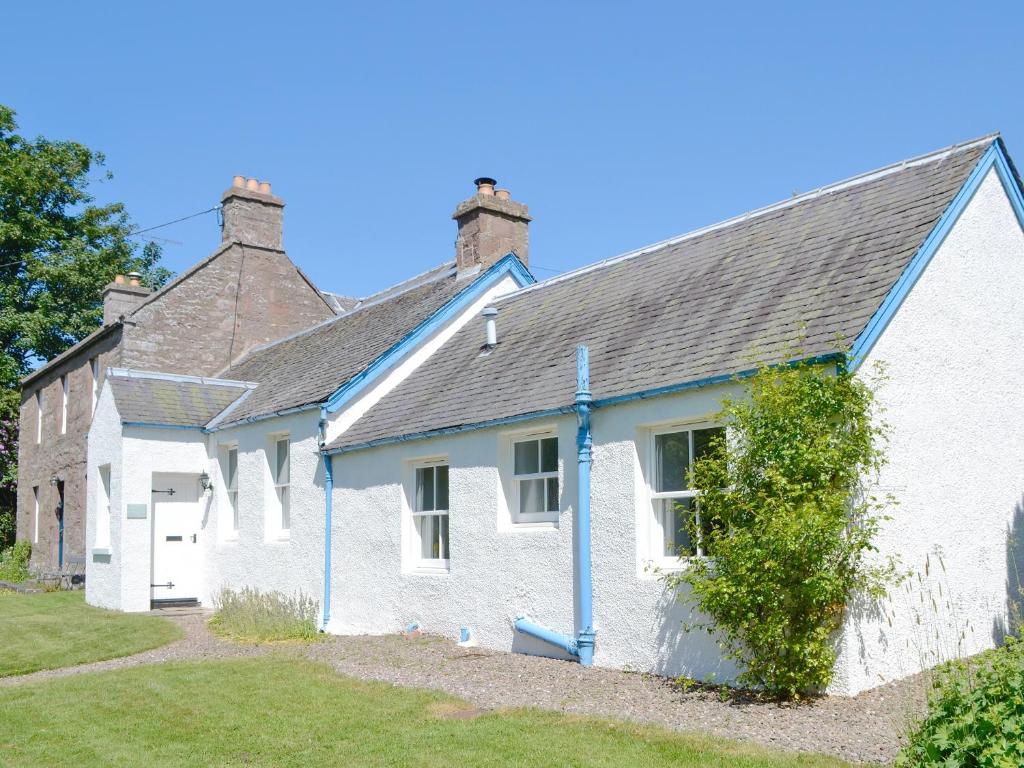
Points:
(866, 728)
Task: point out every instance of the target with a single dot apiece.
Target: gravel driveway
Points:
(866, 728)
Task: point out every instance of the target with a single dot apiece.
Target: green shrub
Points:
(14, 562)
(786, 524)
(257, 616)
(975, 714)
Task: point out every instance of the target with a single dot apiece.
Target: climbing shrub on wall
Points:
(787, 523)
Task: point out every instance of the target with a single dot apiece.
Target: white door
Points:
(177, 523)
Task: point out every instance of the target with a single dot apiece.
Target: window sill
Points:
(534, 525)
(424, 569)
(101, 550)
(281, 537)
(230, 538)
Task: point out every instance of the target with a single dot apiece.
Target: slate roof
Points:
(697, 306)
(184, 401)
(309, 366)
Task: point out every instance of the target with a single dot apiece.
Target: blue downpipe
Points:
(582, 645)
(328, 510)
(581, 530)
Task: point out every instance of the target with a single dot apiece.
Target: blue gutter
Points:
(508, 264)
(160, 426)
(582, 645)
(831, 357)
(994, 157)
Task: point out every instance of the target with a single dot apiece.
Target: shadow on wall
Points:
(684, 646)
(1014, 622)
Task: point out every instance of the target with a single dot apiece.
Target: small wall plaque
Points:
(137, 511)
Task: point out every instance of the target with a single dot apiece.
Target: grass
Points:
(46, 631)
(259, 617)
(279, 711)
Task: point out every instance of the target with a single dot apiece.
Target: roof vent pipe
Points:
(490, 327)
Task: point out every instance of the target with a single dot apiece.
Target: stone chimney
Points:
(491, 225)
(251, 214)
(122, 296)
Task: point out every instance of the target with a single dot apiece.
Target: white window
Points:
(535, 478)
(674, 503)
(35, 514)
(430, 515)
(64, 404)
(102, 539)
(94, 369)
(281, 472)
(39, 416)
(231, 484)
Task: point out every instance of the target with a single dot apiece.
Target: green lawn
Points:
(58, 629)
(282, 711)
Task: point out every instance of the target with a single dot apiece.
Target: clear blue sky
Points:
(619, 124)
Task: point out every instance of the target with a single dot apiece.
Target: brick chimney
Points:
(122, 296)
(491, 225)
(251, 214)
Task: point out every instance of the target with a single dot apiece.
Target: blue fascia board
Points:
(995, 157)
(159, 426)
(454, 430)
(831, 357)
(508, 265)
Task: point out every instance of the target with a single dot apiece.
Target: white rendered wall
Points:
(103, 569)
(259, 555)
(955, 401)
(498, 571)
(120, 576)
(149, 450)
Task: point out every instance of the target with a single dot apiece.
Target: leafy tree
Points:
(57, 251)
(787, 523)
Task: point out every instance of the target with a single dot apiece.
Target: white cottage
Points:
(433, 456)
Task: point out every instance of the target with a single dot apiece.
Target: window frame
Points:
(416, 516)
(65, 385)
(656, 529)
(35, 511)
(101, 536)
(231, 487)
(40, 406)
(547, 516)
(94, 370)
(282, 490)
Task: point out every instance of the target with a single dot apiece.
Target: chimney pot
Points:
(119, 279)
(252, 185)
(134, 278)
(484, 185)
(238, 181)
(265, 187)
(503, 194)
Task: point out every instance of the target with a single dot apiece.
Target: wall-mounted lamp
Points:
(54, 480)
(204, 482)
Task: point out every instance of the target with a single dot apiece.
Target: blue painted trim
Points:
(159, 426)
(507, 265)
(454, 430)
(994, 157)
(581, 530)
(328, 517)
(831, 357)
(567, 644)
